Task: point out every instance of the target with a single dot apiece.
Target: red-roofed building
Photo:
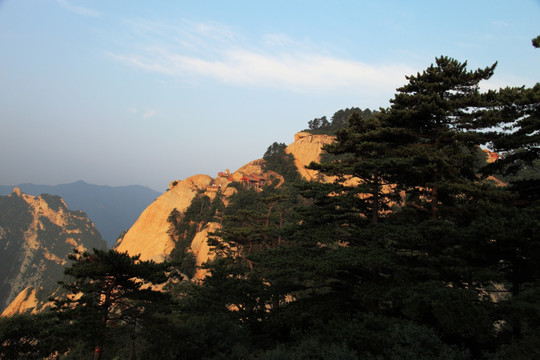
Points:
(253, 181)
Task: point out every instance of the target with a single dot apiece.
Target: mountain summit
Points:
(150, 236)
(113, 209)
(37, 233)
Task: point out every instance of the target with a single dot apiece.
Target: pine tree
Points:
(441, 112)
(108, 290)
(363, 154)
(518, 111)
(515, 236)
(420, 259)
(31, 336)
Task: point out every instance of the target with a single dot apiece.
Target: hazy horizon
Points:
(77, 181)
(143, 93)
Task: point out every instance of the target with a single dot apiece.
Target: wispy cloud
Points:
(149, 114)
(216, 52)
(78, 9)
(280, 40)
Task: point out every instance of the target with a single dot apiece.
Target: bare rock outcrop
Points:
(149, 236)
(253, 167)
(201, 250)
(25, 301)
(307, 148)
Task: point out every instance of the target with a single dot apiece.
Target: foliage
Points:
(108, 290)
(519, 142)
(184, 226)
(308, 349)
(277, 160)
(411, 246)
(54, 202)
(30, 337)
(15, 218)
(536, 42)
(15, 212)
(338, 121)
(364, 151)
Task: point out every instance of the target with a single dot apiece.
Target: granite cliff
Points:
(150, 237)
(37, 233)
(112, 209)
(306, 148)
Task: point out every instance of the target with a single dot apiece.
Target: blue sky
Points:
(145, 92)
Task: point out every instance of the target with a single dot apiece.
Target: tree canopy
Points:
(106, 291)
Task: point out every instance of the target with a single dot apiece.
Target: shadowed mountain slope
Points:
(37, 233)
(113, 209)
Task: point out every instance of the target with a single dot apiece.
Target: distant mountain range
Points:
(113, 209)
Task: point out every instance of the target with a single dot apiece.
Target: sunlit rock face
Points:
(25, 301)
(201, 250)
(305, 149)
(37, 233)
(149, 237)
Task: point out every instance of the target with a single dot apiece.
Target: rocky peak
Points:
(306, 148)
(149, 237)
(37, 233)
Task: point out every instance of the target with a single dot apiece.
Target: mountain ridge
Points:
(149, 236)
(113, 209)
(37, 233)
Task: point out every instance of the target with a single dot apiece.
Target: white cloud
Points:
(281, 40)
(215, 52)
(149, 114)
(211, 30)
(78, 9)
(299, 72)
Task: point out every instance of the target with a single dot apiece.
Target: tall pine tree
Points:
(107, 290)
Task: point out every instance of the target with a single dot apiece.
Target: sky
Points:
(122, 92)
